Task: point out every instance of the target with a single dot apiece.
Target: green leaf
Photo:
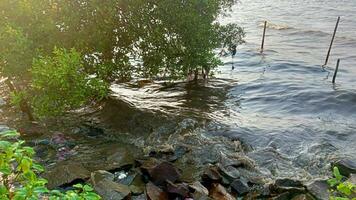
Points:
(4, 145)
(333, 182)
(337, 174)
(38, 167)
(91, 196)
(5, 170)
(344, 188)
(79, 186)
(3, 191)
(40, 190)
(9, 134)
(87, 188)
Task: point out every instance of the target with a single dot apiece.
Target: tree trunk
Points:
(24, 106)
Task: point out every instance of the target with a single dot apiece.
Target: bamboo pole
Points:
(336, 69)
(332, 41)
(263, 37)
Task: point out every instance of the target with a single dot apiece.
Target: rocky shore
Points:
(176, 161)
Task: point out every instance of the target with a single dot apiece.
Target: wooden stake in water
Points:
(263, 37)
(336, 69)
(332, 41)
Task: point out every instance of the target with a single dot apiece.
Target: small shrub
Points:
(18, 175)
(339, 188)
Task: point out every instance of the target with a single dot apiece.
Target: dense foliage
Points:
(109, 40)
(18, 175)
(340, 188)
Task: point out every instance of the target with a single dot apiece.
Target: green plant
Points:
(340, 189)
(18, 174)
(60, 83)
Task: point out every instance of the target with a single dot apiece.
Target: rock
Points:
(352, 179)
(137, 186)
(125, 178)
(163, 172)
(3, 128)
(140, 197)
(218, 192)
(110, 190)
(2, 102)
(303, 197)
(169, 153)
(211, 175)
(135, 190)
(319, 189)
(155, 193)
(180, 189)
(346, 167)
(65, 173)
(240, 187)
(230, 173)
(288, 183)
(283, 196)
(100, 175)
(199, 188)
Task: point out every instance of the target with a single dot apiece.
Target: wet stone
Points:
(155, 193)
(124, 177)
(100, 175)
(352, 179)
(346, 167)
(303, 197)
(199, 189)
(180, 189)
(163, 172)
(110, 190)
(65, 173)
(240, 187)
(218, 192)
(288, 183)
(319, 189)
(211, 175)
(229, 173)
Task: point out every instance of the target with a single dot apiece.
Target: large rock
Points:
(113, 157)
(100, 175)
(229, 173)
(240, 187)
(288, 185)
(65, 173)
(303, 197)
(218, 192)
(346, 167)
(319, 189)
(211, 175)
(181, 189)
(286, 182)
(199, 188)
(163, 172)
(110, 190)
(155, 193)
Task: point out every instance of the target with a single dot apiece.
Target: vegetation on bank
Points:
(60, 55)
(19, 175)
(340, 188)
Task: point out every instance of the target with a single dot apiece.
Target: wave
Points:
(276, 26)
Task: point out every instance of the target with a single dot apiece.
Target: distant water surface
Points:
(285, 105)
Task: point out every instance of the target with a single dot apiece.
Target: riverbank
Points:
(134, 150)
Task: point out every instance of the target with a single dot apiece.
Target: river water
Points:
(284, 104)
(281, 103)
